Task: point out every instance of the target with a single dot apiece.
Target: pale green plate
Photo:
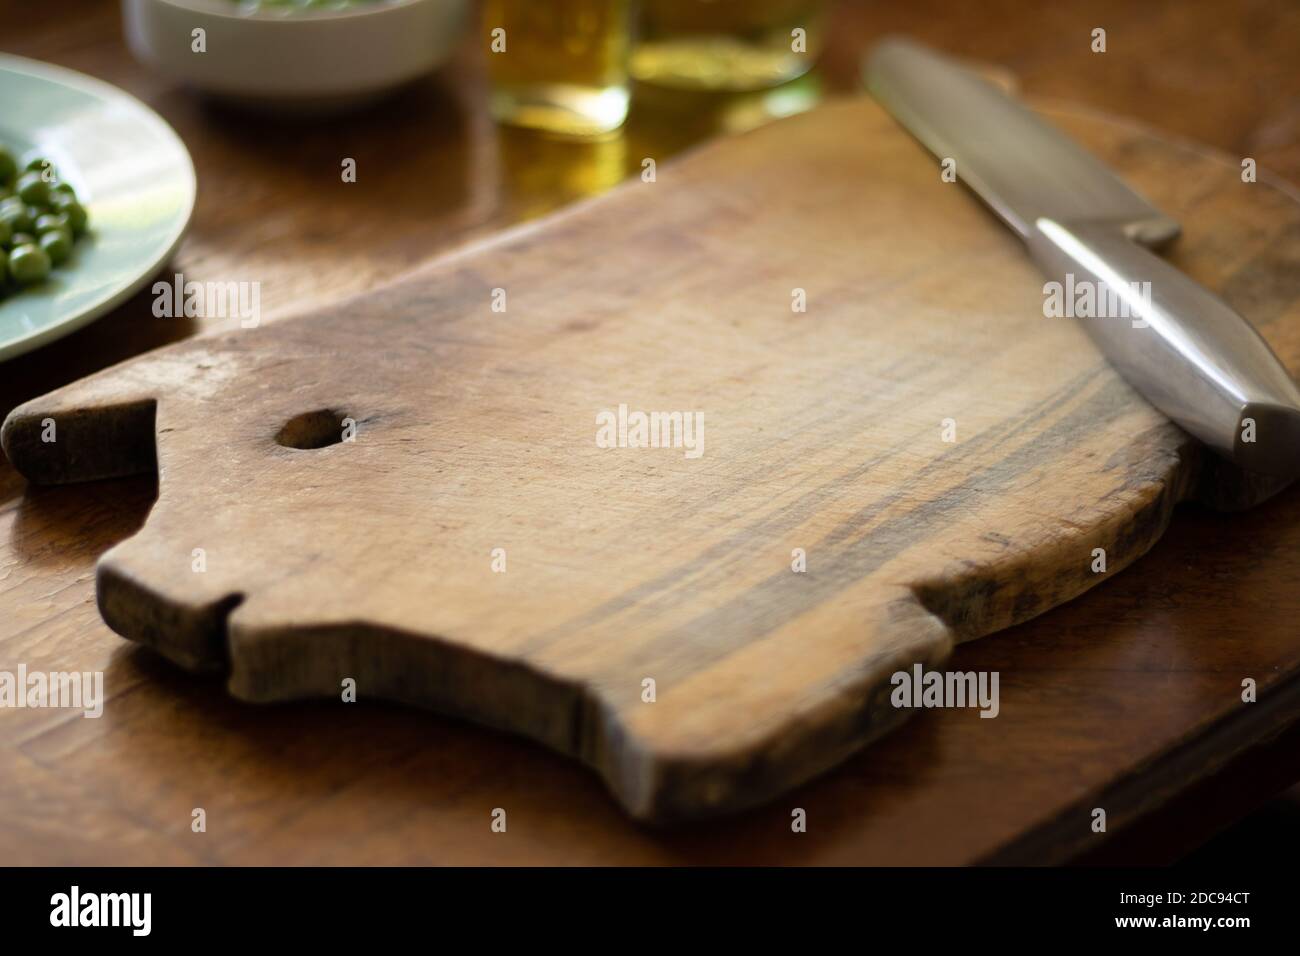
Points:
(130, 170)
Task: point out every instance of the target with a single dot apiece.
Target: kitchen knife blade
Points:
(1184, 349)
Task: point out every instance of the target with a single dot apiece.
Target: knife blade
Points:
(1189, 353)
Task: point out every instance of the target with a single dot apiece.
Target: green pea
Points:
(67, 205)
(14, 212)
(57, 244)
(53, 221)
(33, 189)
(65, 233)
(6, 233)
(21, 239)
(37, 163)
(29, 264)
(20, 218)
(66, 188)
(8, 167)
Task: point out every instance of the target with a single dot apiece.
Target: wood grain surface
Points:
(1114, 685)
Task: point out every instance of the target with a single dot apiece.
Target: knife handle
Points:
(1183, 348)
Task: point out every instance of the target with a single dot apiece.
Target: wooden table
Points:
(1126, 699)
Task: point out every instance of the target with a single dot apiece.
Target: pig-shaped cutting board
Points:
(677, 480)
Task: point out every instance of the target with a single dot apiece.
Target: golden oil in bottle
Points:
(725, 45)
(559, 65)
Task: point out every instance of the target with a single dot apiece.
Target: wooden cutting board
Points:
(474, 549)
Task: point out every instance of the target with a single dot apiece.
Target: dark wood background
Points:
(1103, 700)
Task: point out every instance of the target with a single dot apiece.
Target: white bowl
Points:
(297, 59)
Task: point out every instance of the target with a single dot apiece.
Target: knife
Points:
(1182, 347)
